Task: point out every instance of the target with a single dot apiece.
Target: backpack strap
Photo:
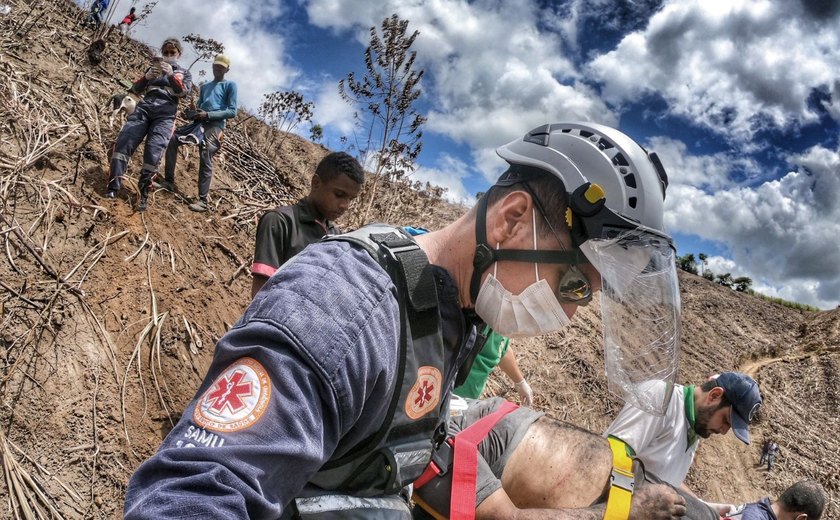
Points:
(409, 269)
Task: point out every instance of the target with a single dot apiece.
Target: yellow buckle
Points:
(622, 482)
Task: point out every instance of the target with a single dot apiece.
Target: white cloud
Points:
(491, 74)
(450, 174)
(332, 111)
(782, 233)
(735, 67)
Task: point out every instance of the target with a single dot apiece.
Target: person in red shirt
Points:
(126, 22)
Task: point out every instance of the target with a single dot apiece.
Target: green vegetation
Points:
(742, 284)
(785, 303)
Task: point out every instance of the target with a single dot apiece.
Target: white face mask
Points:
(533, 312)
(170, 59)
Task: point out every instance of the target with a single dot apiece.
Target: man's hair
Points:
(175, 42)
(710, 385)
(806, 496)
(337, 163)
(551, 200)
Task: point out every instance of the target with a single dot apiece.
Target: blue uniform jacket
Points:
(305, 374)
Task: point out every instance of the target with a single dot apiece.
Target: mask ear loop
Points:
(496, 264)
(534, 224)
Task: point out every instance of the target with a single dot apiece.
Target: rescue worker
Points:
(162, 85)
(495, 352)
(667, 444)
(328, 396)
(216, 104)
(284, 231)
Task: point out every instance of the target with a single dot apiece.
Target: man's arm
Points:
(257, 281)
(510, 367)
(204, 471)
(268, 248)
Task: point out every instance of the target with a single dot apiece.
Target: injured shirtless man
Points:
(534, 467)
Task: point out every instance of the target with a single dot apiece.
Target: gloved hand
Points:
(526, 395)
(199, 115)
(153, 72)
(166, 68)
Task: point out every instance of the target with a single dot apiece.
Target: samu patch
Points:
(237, 398)
(425, 394)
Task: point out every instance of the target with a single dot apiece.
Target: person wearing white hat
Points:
(216, 104)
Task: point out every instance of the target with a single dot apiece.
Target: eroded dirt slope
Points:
(108, 317)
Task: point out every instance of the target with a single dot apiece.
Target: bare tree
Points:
(205, 48)
(386, 94)
(284, 110)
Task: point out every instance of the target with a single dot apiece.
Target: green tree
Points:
(709, 275)
(386, 94)
(316, 133)
(742, 283)
(724, 280)
(703, 263)
(687, 263)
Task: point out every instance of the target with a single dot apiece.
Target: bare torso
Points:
(558, 465)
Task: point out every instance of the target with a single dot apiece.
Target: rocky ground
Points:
(108, 317)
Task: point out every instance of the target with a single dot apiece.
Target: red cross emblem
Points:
(425, 394)
(237, 398)
(228, 393)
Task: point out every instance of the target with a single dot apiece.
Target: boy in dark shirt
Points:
(284, 231)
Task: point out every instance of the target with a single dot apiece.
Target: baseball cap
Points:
(742, 391)
(223, 60)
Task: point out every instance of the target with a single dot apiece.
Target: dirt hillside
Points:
(108, 317)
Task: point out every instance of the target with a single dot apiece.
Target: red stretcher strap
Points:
(462, 501)
(431, 471)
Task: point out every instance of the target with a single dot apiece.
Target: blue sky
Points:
(741, 99)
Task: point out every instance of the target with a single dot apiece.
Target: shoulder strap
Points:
(411, 273)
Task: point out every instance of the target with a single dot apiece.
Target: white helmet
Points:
(601, 168)
(616, 193)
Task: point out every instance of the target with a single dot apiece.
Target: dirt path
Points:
(752, 368)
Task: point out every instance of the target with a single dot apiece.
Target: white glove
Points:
(153, 72)
(526, 395)
(166, 68)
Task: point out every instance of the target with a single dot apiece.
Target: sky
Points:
(740, 99)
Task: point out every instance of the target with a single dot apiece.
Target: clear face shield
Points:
(640, 309)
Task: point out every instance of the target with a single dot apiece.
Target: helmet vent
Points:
(620, 160)
(603, 144)
(585, 133)
(630, 180)
(632, 202)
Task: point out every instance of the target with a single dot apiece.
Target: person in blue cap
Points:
(666, 444)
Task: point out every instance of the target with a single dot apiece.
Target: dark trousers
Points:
(210, 144)
(153, 120)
